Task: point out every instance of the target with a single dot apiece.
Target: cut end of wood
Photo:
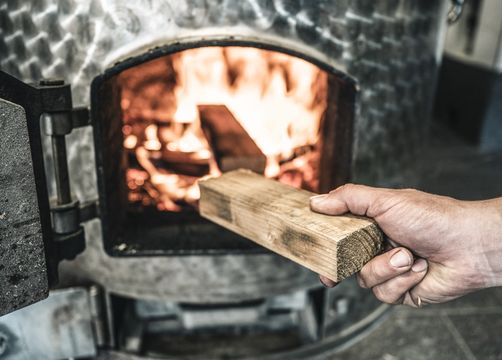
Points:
(370, 243)
(278, 217)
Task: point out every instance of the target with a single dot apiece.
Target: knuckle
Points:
(380, 272)
(345, 188)
(349, 186)
(380, 294)
(388, 295)
(412, 193)
(398, 289)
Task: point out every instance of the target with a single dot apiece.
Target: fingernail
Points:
(419, 266)
(320, 196)
(314, 200)
(400, 259)
(419, 302)
(317, 200)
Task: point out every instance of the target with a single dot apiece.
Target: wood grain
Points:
(278, 217)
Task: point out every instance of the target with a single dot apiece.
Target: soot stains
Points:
(224, 209)
(297, 242)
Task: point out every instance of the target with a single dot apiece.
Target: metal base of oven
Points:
(89, 322)
(327, 347)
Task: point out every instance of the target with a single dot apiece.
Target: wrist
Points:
(488, 227)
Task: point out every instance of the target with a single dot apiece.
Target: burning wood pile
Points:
(205, 111)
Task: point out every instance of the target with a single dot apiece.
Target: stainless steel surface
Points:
(56, 328)
(390, 47)
(205, 279)
(99, 316)
(381, 43)
(275, 313)
(326, 349)
(278, 327)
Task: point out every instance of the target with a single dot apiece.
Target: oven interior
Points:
(171, 117)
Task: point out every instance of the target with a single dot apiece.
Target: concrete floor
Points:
(467, 328)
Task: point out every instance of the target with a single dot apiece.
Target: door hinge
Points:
(58, 119)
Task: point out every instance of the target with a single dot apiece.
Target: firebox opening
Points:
(170, 121)
(209, 110)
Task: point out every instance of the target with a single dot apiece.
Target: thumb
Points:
(357, 199)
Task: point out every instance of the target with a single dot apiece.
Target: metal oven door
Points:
(33, 236)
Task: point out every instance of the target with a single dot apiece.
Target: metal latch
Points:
(59, 118)
(456, 9)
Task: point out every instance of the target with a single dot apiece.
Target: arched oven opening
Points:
(174, 116)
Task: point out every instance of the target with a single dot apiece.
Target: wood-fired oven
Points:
(133, 102)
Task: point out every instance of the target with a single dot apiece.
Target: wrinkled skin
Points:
(439, 248)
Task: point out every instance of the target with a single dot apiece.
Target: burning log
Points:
(277, 103)
(232, 146)
(167, 188)
(278, 217)
(193, 164)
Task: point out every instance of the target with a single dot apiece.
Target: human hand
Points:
(439, 248)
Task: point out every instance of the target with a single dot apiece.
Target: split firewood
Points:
(278, 217)
(231, 144)
(170, 187)
(194, 158)
(192, 164)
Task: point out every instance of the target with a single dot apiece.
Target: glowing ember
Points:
(277, 99)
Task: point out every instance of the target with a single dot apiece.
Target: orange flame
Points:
(278, 99)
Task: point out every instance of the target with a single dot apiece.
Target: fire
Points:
(278, 100)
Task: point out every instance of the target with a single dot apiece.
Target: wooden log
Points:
(231, 144)
(183, 163)
(278, 217)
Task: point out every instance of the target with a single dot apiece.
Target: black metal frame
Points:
(48, 106)
(340, 126)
